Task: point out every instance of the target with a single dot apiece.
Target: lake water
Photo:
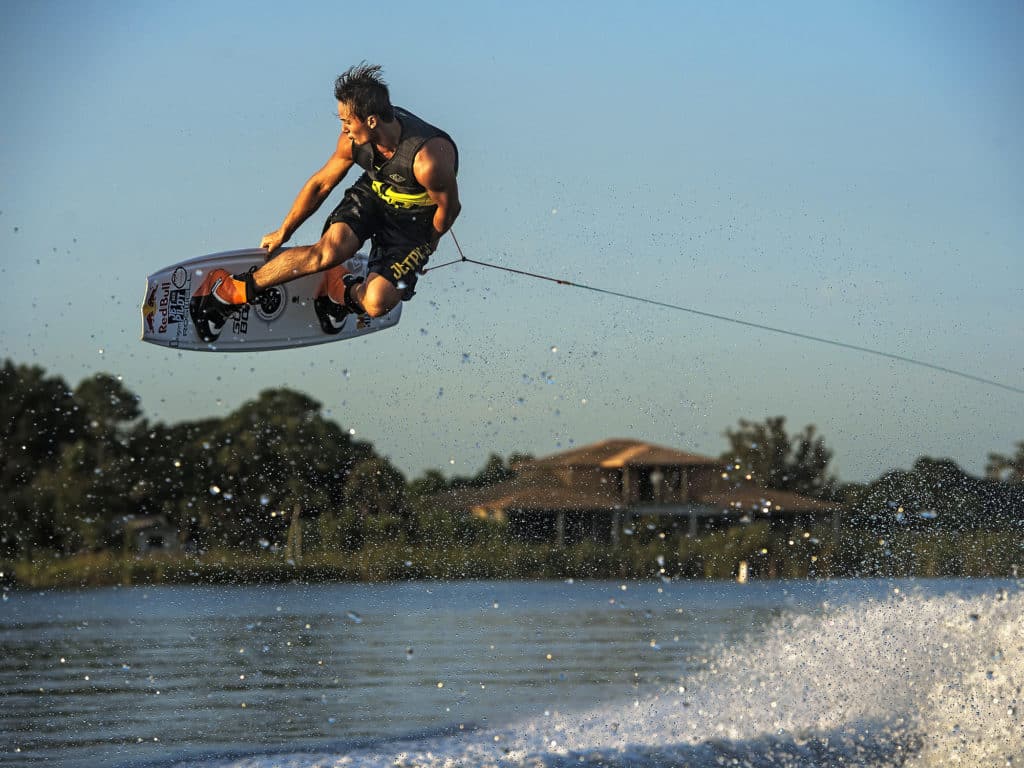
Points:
(874, 673)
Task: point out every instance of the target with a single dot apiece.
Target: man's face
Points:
(357, 130)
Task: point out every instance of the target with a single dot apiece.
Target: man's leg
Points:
(338, 244)
(377, 295)
(341, 294)
(220, 294)
(392, 274)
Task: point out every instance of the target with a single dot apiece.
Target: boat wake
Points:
(911, 681)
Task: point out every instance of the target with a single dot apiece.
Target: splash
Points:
(917, 682)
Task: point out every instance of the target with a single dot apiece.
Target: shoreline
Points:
(724, 556)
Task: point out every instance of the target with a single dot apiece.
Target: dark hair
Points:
(364, 90)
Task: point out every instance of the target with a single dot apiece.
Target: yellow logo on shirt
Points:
(401, 199)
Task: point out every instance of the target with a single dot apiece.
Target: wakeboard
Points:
(282, 318)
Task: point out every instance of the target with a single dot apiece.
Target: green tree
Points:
(39, 418)
(376, 492)
(1006, 469)
(108, 406)
(934, 493)
(772, 458)
(263, 459)
(67, 462)
(38, 414)
(430, 482)
(495, 470)
(174, 473)
(87, 491)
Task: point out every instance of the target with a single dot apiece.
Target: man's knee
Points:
(337, 244)
(377, 306)
(379, 296)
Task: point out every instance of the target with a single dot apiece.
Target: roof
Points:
(536, 488)
(538, 494)
(767, 500)
(530, 493)
(616, 453)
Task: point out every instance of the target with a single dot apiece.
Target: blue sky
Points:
(848, 170)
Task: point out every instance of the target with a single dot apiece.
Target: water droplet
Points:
(354, 617)
(554, 350)
(264, 500)
(214, 490)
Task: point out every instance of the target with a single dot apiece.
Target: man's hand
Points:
(273, 241)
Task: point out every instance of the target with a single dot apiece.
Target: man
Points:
(405, 200)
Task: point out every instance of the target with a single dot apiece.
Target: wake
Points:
(912, 681)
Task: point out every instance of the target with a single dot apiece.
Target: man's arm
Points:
(312, 195)
(434, 168)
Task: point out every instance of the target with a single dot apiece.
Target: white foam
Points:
(912, 681)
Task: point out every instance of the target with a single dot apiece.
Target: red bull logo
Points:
(149, 310)
(155, 308)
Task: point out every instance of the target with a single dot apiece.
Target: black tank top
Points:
(393, 178)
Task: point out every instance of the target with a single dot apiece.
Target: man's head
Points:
(363, 101)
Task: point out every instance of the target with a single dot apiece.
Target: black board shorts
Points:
(393, 233)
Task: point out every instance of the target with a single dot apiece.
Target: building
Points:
(149, 533)
(605, 490)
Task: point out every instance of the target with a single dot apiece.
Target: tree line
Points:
(934, 492)
(80, 461)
